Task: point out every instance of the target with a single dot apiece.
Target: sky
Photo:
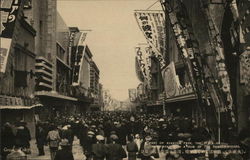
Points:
(112, 39)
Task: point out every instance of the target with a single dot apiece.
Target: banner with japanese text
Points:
(78, 56)
(152, 25)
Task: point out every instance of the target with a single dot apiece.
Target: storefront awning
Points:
(20, 107)
(186, 97)
(54, 95)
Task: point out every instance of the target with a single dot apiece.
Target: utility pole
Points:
(164, 103)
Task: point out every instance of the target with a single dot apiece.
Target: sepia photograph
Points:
(125, 80)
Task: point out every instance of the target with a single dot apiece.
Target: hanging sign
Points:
(4, 53)
(79, 56)
(152, 25)
(169, 78)
(9, 15)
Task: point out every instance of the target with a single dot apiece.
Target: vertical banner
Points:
(152, 25)
(9, 13)
(4, 53)
(223, 77)
(132, 95)
(143, 54)
(141, 61)
(80, 43)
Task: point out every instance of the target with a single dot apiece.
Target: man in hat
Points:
(65, 152)
(40, 139)
(115, 150)
(132, 148)
(23, 135)
(148, 151)
(90, 139)
(99, 150)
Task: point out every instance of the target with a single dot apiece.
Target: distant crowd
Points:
(110, 136)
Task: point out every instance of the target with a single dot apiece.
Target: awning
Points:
(54, 95)
(20, 107)
(186, 97)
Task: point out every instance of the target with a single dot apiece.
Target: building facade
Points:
(17, 76)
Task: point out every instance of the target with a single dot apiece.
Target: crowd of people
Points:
(109, 135)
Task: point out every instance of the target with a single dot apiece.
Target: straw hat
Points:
(91, 133)
(100, 138)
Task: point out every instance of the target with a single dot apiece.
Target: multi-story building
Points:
(17, 67)
(95, 86)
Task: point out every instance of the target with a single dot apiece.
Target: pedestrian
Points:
(115, 150)
(132, 148)
(40, 139)
(148, 151)
(23, 136)
(53, 138)
(99, 150)
(65, 152)
(17, 153)
(66, 133)
(90, 140)
(7, 140)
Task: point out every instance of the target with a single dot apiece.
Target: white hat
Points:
(91, 133)
(99, 137)
(161, 120)
(65, 127)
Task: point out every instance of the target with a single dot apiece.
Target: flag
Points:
(78, 56)
(152, 25)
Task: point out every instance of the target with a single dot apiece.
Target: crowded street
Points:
(125, 79)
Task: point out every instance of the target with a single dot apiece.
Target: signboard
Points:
(152, 25)
(169, 78)
(9, 12)
(4, 53)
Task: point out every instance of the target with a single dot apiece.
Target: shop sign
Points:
(152, 25)
(9, 16)
(4, 53)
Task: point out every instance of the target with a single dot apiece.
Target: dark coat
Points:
(64, 154)
(7, 137)
(116, 152)
(132, 149)
(40, 136)
(99, 151)
(23, 137)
